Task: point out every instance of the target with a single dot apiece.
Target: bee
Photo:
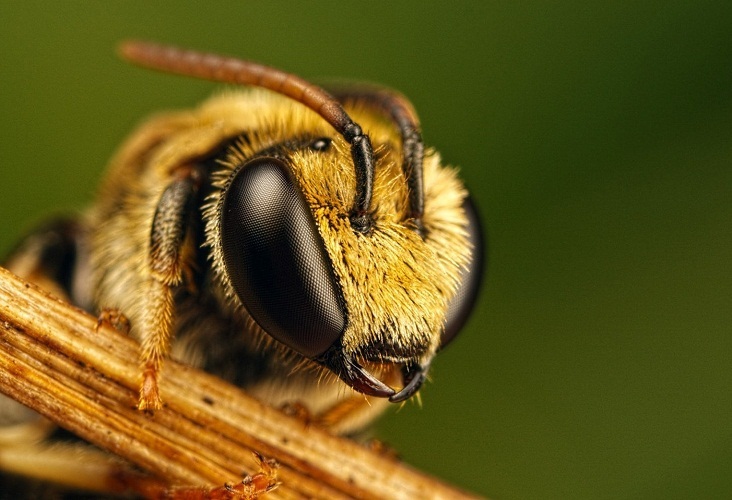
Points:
(301, 243)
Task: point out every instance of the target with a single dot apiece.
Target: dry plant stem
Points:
(53, 360)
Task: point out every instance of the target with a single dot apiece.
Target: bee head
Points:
(349, 263)
(356, 303)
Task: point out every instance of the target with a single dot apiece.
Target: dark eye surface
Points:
(276, 260)
(462, 304)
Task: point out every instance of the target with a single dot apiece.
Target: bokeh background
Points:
(597, 140)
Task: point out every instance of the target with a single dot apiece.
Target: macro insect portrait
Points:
(299, 242)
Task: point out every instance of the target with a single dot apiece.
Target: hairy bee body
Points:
(155, 247)
(211, 330)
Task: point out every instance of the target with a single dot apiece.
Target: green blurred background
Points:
(597, 140)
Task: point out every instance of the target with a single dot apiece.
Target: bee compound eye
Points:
(462, 304)
(276, 259)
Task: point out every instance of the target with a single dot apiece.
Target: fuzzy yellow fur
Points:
(396, 285)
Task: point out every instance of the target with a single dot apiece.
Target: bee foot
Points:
(149, 391)
(298, 411)
(113, 318)
(382, 449)
(249, 488)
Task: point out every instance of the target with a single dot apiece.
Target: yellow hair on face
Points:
(395, 283)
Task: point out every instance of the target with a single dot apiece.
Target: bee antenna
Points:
(401, 112)
(237, 71)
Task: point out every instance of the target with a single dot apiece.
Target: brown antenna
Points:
(400, 111)
(231, 70)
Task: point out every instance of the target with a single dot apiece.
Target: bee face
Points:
(286, 252)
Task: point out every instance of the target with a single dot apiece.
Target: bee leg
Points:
(382, 449)
(115, 319)
(249, 488)
(168, 261)
(27, 451)
(346, 414)
(299, 411)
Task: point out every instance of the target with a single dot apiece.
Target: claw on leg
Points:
(149, 391)
(299, 411)
(113, 318)
(249, 488)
